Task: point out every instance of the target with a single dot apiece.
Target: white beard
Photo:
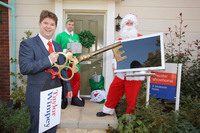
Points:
(128, 32)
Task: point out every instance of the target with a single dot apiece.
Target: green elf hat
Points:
(68, 18)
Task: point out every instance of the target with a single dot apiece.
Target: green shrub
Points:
(156, 118)
(185, 126)
(14, 120)
(19, 121)
(159, 117)
(189, 110)
(129, 123)
(121, 107)
(18, 94)
(188, 56)
(5, 110)
(190, 81)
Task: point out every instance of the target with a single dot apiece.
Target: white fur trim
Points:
(79, 97)
(131, 17)
(108, 110)
(64, 50)
(120, 75)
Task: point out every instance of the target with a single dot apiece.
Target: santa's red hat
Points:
(131, 17)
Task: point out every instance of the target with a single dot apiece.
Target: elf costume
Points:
(63, 39)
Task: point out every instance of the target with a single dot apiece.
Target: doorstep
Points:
(85, 117)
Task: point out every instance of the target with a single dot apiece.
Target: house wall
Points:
(27, 17)
(153, 16)
(4, 55)
(158, 15)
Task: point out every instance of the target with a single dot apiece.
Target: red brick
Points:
(5, 93)
(5, 96)
(4, 55)
(4, 88)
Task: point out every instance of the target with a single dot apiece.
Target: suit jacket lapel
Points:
(55, 48)
(41, 45)
(43, 48)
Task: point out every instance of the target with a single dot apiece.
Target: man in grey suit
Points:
(36, 56)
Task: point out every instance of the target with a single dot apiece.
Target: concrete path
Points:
(84, 120)
(72, 130)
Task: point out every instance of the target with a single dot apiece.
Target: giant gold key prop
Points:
(74, 61)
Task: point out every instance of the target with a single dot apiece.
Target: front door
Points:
(95, 24)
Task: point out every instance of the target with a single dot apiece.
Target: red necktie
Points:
(50, 47)
(52, 71)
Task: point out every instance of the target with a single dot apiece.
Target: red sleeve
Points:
(120, 39)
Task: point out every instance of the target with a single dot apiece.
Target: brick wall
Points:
(4, 55)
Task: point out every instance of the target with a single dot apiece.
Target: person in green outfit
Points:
(66, 39)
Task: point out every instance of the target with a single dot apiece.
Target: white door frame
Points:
(106, 8)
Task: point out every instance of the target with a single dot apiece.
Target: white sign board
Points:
(163, 85)
(50, 108)
(143, 53)
(166, 83)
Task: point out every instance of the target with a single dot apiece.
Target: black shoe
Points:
(77, 102)
(101, 114)
(64, 104)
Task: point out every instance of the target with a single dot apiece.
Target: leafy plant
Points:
(156, 117)
(129, 123)
(177, 52)
(18, 93)
(190, 110)
(28, 34)
(5, 109)
(111, 129)
(185, 126)
(14, 120)
(121, 107)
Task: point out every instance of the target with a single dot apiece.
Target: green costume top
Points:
(64, 38)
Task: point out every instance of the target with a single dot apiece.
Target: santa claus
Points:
(121, 84)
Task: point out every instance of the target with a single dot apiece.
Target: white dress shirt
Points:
(72, 33)
(45, 41)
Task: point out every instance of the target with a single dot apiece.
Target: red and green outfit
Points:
(63, 39)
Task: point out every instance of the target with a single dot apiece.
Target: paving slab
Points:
(85, 117)
(71, 130)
